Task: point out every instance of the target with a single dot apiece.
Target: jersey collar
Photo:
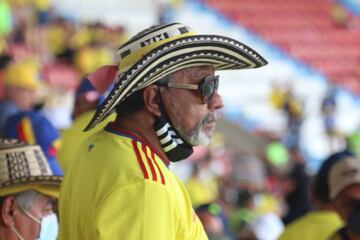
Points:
(112, 128)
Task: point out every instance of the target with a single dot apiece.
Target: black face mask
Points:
(174, 146)
(353, 221)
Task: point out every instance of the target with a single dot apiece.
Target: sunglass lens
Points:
(208, 88)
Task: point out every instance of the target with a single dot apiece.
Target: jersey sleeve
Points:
(136, 212)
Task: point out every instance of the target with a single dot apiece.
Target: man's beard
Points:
(198, 136)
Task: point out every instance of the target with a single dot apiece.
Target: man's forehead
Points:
(200, 69)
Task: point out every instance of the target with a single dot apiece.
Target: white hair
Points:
(26, 199)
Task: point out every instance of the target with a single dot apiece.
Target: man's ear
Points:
(152, 100)
(7, 211)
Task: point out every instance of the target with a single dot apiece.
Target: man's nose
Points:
(216, 102)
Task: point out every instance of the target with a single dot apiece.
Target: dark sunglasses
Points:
(207, 87)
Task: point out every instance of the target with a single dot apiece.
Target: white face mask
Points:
(49, 227)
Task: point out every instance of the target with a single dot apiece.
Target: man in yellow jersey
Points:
(28, 187)
(321, 223)
(166, 100)
(344, 183)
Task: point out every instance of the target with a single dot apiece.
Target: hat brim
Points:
(221, 52)
(48, 185)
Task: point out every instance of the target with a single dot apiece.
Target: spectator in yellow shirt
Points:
(321, 223)
(166, 101)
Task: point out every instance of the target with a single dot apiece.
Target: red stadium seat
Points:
(305, 29)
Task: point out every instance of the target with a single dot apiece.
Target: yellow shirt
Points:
(73, 137)
(202, 192)
(121, 189)
(57, 39)
(88, 59)
(316, 225)
(42, 5)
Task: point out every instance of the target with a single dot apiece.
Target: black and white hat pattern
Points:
(165, 49)
(24, 167)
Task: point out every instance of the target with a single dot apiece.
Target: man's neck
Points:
(141, 125)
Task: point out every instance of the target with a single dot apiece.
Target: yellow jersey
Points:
(119, 188)
(73, 137)
(316, 225)
(202, 191)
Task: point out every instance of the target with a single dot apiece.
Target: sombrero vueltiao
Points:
(24, 167)
(162, 50)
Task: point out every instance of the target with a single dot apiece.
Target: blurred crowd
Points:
(264, 195)
(273, 194)
(59, 51)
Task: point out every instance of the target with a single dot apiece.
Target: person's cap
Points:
(343, 174)
(34, 128)
(21, 74)
(97, 84)
(321, 182)
(165, 49)
(25, 167)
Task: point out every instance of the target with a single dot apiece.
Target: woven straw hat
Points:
(165, 49)
(24, 167)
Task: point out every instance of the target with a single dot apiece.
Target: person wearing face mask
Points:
(28, 188)
(344, 182)
(166, 100)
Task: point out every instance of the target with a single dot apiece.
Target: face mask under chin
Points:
(174, 146)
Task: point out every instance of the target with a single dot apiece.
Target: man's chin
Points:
(209, 133)
(205, 139)
(199, 140)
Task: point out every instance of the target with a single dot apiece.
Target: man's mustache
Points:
(211, 117)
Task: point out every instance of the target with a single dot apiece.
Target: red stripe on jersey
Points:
(161, 174)
(111, 126)
(20, 129)
(141, 162)
(154, 177)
